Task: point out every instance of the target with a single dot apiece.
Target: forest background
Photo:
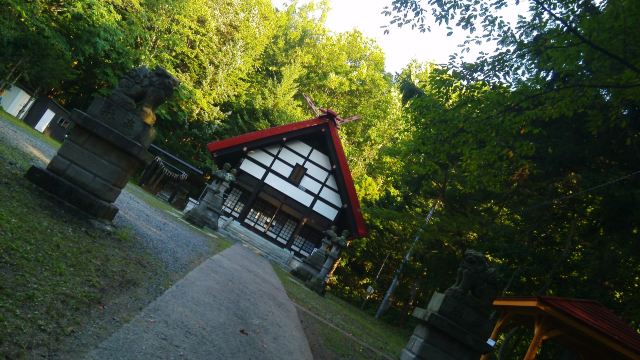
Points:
(531, 153)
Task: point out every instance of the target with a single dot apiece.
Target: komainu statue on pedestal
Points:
(475, 279)
(145, 90)
(456, 325)
(107, 144)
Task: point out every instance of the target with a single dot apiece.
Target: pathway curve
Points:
(232, 306)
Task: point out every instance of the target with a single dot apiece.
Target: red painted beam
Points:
(261, 134)
(346, 173)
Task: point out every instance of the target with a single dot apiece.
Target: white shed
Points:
(16, 101)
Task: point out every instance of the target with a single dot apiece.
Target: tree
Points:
(558, 209)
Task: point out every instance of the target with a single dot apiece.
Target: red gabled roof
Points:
(589, 313)
(262, 134)
(598, 317)
(328, 120)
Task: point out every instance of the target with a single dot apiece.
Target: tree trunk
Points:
(408, 305)
(7, 79)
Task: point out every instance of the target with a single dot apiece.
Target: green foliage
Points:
(531, 154)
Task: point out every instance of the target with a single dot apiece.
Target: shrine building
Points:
(293, 182)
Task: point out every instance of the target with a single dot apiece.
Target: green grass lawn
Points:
(28, 129)
(346, 317)
(55, 268)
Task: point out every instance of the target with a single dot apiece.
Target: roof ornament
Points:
(329, 113)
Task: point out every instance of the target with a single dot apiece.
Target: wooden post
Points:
(502, 321)
(538, 334)
(273, 218)
(295, 233)
(249, 204)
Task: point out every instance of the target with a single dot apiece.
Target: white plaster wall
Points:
(300, 147)
(331, 182)
(290, 157)
(286, 188)
(252, 169)
(14, 99)
(310, 184)
(321, 159)
(316, 171)
(331, 196)
(325, 210)
(261, 156)
(282, 168)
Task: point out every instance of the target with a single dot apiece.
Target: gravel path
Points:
(177, 244)
(232, 306)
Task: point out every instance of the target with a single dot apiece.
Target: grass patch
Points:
(55, 268)
(150, 199)
(384, 338)
(28, 129)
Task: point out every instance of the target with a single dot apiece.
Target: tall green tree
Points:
(545, 180)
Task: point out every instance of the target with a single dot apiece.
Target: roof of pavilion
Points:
(586, 316)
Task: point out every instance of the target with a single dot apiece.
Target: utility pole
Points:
(384, 305)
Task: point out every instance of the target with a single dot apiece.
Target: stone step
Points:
(264, 247)
(275, 254)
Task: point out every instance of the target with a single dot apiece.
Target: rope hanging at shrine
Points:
(157, 172)
(168, 172)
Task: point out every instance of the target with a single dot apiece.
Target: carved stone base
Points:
(71, 193)
(304, 271)
(449, 329)
(201, 218)
(207, 212)
(91, 167)
(310, 267)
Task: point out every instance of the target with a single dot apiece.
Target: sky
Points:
(401, 45)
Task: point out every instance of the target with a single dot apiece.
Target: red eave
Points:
(354, 203)
(588, 312)
(262, 134)
(351, 190)
(598, 317)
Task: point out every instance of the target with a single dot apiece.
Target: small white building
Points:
(16, 101)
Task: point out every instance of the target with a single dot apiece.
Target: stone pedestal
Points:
(311, 266)
(108, 144)
(457, 324)
(95, 161)
(318, 281)
(208, 211)
(450, 329)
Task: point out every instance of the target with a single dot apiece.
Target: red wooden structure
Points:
(584, 326)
